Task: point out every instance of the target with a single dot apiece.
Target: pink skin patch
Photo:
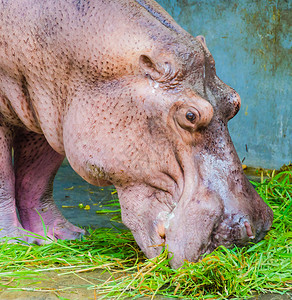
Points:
(248, 230)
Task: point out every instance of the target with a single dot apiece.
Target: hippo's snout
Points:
(215, 214)
(190, 240)
(264, 224)
(237, 230)
(246, 217)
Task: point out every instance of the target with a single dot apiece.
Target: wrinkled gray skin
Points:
(132, 100)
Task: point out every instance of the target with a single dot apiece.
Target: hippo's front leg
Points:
(36, 165)
(9, 224)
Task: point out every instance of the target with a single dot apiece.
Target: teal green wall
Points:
(250, 42)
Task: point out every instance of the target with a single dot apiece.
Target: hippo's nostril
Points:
(248, 230)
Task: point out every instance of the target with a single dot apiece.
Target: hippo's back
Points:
(108, 34)
(48, 49)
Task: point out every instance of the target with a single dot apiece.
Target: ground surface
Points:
(72, 287)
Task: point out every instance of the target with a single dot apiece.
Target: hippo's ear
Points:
(149, 67)
(158, 72)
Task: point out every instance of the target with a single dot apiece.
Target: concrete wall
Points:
(250, 43)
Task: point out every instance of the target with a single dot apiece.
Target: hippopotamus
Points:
(131, 99)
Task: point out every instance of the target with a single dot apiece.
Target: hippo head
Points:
(159, 134)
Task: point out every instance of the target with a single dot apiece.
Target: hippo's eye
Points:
(188, 117)
(191, 116)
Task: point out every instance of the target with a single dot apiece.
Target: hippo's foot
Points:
(36, 165)
(49, 222)
(14, 232)
(10, 228)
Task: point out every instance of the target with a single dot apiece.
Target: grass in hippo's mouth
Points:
(225, 273)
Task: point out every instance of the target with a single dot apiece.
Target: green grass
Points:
(226, 273)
